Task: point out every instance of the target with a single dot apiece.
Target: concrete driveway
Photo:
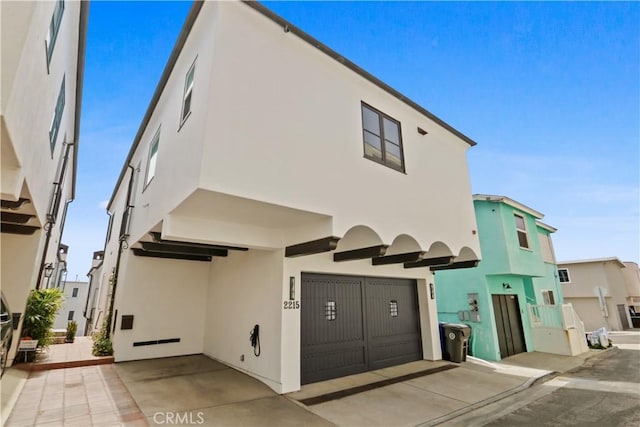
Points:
(196, 390)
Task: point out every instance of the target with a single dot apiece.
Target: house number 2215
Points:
(291, 305)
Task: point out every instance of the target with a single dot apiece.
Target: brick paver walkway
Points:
(85, 396)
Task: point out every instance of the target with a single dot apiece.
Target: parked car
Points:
(7, 334)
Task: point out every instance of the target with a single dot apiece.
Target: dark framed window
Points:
(57, 117)
(382, 137)
(54, 28)
(71, 314)
(521, 229)
(74, 293)
(188, 93)
(563, 275)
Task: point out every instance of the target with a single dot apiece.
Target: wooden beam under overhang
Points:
(167, 255)
(15, 218)
(325, 244)
(182, 249)
(18, 229)
(13, 205)
(158, 239)
(428, 262)
(456, 265)
(397, 258)
(362, 253)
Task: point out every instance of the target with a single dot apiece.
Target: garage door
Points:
(356, 324)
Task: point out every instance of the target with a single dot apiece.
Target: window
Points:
(153, 158)
(382, 138)
(563, 275)
(188, 91)
(54, 27)
(330, 310)
(74, 294)
(393, 308)
(547, 296)
(521, 229)
(71, 314)
(57, 118)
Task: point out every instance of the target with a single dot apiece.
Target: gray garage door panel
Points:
(392, 322)
(354, 324)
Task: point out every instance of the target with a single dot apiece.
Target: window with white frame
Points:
(153, 159)
(563, 275)
(188, 93)
(547, 297)
(57, 117)
(54, 28)
(521, 229)
(382, 138)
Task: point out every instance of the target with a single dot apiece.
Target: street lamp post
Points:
(48, 271)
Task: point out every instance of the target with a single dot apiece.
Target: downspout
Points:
(53, 211)
(121, 247)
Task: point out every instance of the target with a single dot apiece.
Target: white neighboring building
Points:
(42, 57)
(75, 300)
(274, 183)
(599, 290)
(97, 295)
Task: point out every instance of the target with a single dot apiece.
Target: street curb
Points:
(588, 362)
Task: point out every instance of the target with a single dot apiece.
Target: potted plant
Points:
(72, 328)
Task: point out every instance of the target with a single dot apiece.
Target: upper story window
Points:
(382, 138)
(57, 118)
(54, 28)
(188, 91)
(521, 229)
(74, 294)
(153, 158)
(563, 275)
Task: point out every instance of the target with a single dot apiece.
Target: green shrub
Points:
(40, 314)
(72, 328)
(101, 342)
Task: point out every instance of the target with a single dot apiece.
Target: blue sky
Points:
(550, 91)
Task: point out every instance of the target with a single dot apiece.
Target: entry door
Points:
(622, 312)
(509, 325)
(355, 324)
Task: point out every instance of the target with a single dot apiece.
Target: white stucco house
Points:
(42, 57)
(601, 291)
(75, 300)
(272, 182)
(96, 295)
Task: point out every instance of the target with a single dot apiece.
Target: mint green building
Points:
(507, 295)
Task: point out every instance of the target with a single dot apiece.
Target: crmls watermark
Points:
(182, 418)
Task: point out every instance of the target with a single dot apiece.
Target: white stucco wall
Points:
(167, 300)
(244, 290)
(292, 135)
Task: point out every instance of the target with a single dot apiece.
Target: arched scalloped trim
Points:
(359, 236)
(466, 254)
(404, 243)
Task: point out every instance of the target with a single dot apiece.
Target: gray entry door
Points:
(506, 311)
(355, 324)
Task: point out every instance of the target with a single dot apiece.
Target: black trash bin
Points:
(455, 340)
